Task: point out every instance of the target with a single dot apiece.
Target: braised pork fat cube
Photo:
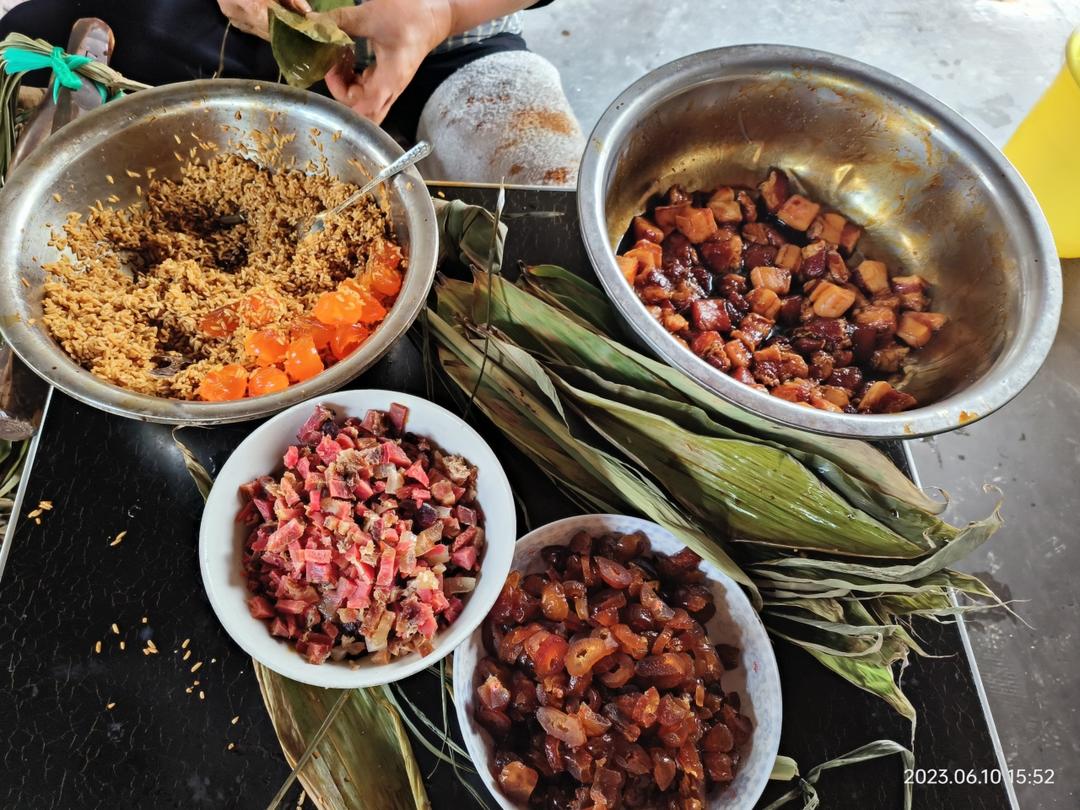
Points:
(776, 279)
(764, 302)
(829, 227)
(916, 328)
(647, 229)
(872, 276)
(696, 224)
(912, 292)
(789, 257)
(775, 190)
(831, 300)
(664, 216)
(797, 212)
(725, 207)
(628, 266)
(710, 315)
(880, 397)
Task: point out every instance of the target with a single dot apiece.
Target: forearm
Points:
(466, 14)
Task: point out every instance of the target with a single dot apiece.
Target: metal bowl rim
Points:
(992, 390)
(114, 399)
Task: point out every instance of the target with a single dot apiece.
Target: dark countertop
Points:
(64, 586)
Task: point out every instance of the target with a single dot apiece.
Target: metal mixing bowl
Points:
(935, 196)
(140, 132)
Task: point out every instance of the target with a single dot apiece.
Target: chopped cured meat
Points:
(344, 556)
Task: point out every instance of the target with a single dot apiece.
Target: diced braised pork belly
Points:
(766, 285)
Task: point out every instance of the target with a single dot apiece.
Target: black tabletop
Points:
(122, 729)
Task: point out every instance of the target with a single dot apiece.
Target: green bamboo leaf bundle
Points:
(306, 47)
(839, 545)
(367, 733)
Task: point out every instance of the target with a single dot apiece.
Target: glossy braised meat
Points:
(765, 285)
(601, 688)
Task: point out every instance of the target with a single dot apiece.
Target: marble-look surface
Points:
(990, 60)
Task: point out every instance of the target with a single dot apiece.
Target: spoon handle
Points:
(418, 152)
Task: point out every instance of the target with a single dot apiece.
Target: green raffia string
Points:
(19, 54)
(63, 65)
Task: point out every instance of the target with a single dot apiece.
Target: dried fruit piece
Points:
(561, 726)
(517, 780)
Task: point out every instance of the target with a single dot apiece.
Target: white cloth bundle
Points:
(503, 118)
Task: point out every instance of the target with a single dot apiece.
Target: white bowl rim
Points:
(478, 747)
(282, 657)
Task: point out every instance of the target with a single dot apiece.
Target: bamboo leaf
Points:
(759, 492)
(368, 730)
(969, 539)
(879, 748)
(784, 768)
(203, 480)
(306, 47)
(574, 295)
(914, 525)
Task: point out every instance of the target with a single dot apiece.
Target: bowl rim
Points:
(51, 363)
(282, 658)
(956, 410)
(479, 749)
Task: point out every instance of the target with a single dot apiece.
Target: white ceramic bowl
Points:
(221, 538)
(756, 680)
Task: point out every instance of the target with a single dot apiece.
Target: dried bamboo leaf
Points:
(807, 791)
(202, 478)
(784, 768)
(574, 295)
(759, 492)
(828, 609)
(873, 673)
(368, 730)
(306, 47)
(969, 539)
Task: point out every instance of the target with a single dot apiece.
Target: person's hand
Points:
(402, 33)
(250, 15)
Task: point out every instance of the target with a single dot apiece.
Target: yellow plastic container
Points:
(1046, 151)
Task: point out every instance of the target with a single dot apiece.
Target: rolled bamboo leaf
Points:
(367, 734)
(203, 480)
(466, 231)
(784, 768)
(306, 47)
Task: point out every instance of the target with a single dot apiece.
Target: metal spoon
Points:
(318, 222)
